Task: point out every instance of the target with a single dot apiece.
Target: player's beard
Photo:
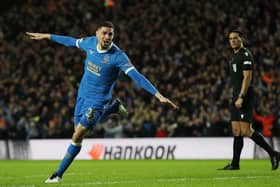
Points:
(106, 45)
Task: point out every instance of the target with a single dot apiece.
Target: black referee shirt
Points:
(240, 61)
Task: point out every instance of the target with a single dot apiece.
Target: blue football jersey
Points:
(101, 70)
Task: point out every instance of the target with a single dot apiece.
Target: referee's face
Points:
(105, 37)
(235, 41)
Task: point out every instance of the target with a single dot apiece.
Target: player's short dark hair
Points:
(106, 24)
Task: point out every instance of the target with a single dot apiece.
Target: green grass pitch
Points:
(140, 173)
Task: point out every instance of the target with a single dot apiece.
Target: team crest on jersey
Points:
(91, 51)
(234, 67)
(106, 59)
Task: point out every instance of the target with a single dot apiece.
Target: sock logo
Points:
(96, 151)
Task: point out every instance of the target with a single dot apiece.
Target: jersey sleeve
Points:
(81, 43)
(85, 43)
(123, 62)
(247, 62)
(64, 40)
(142, 81)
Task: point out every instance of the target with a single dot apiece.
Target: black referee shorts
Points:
(246, 112)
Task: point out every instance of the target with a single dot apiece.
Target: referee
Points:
(241, 73)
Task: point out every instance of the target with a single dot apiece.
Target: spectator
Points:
(181, 50)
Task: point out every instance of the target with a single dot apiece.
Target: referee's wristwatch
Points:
(241, 96)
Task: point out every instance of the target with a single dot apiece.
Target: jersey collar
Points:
(104, 50)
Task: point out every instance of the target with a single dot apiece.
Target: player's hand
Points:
(38, 36)
(238, 103)
(163, 99)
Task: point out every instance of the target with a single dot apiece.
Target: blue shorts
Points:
(86, 114)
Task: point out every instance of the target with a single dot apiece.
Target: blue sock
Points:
(113, 108)
(71, 153)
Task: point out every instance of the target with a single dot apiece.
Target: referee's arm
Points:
(247, 77)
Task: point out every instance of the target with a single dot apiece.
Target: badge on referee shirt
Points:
(234, 67)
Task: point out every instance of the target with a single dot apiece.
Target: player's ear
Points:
(96, 32)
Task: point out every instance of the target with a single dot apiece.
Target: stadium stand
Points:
(180, 45)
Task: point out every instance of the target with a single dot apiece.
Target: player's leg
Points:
(246, 130)
(87, 120)
(72, 151)
(115, 107)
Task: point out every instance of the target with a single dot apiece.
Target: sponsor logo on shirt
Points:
(93, 68)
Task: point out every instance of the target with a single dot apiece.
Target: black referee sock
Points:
(259, 139)
(237, 148)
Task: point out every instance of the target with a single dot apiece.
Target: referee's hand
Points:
(238, 103)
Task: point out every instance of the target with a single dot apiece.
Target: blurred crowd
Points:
(180, 46)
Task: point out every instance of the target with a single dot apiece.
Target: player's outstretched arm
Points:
(64, 40)
(163, 99)
(140, 80)
(38, 36)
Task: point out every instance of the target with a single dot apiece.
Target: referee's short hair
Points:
(236, 30)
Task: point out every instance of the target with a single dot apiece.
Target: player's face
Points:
(235, 41)
(105, 37)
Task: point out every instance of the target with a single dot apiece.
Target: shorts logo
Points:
(242, 116)
(234, 67)
(90, 115)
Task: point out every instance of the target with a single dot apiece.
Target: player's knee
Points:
(76, 138)
(79, 134)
